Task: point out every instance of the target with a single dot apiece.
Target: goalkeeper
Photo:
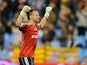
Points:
(30, 32)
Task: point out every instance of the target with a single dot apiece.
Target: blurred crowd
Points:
(66, 27)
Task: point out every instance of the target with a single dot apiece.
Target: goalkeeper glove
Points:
(24, 12)
(48, 10)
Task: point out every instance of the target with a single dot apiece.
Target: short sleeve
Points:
(23, 28)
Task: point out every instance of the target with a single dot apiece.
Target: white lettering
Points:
(34, 36)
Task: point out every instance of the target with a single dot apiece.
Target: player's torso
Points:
(31, 34)
(30, 37)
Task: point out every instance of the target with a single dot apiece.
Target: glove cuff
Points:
(46, 15)
(22, 13)
(26, 8)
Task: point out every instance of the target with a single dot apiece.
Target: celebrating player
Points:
(30, 32)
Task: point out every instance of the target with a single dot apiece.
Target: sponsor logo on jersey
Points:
(34, 36)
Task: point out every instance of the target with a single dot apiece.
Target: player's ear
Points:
(30, 16)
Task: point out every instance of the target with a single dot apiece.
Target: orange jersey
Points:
(30, 37)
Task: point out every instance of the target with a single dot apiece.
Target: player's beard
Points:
(37, 21)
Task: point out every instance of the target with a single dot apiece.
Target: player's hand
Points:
(24, 15)
(23, 12)
(48, 10)
(26, 8)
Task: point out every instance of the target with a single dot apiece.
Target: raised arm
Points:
(19, 21)
(44, 19)
(23, 15)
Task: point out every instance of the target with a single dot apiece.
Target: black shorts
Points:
(26, 61)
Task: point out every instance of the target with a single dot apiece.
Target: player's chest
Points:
(32, 30)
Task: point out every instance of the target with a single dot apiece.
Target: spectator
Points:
(70, 41)
(7, 53)
(63, 39)
(45, 35)
(70, 28)
(16, 32)
(8, 34)
(82, 17)
(84, 62)
(65, 17)
(21, 3)
(2, 32)
(55, 43)
(51, 31)
(52, 17)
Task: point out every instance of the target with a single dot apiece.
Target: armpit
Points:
(38, 26)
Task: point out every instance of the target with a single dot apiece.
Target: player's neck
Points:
(32, 22)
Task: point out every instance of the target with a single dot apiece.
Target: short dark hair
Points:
(29, 13)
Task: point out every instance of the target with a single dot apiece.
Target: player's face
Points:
(36, 16)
